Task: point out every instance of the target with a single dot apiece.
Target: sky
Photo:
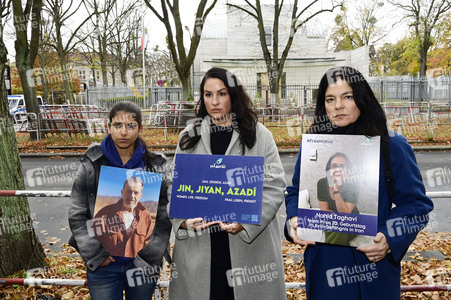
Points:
(112, 180)
(157, 32)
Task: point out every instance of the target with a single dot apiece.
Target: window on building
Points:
(82, 74)
(97, 75)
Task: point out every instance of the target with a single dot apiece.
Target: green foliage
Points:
(400, 58)
(357, 30)
(439, 60)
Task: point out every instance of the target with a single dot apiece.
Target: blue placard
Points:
(337, 222)
(218, 188)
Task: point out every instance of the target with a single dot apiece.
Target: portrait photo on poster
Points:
(339, 186)
(125, 210)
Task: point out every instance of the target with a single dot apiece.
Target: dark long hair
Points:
(135, 111)
(244, 118)
(128, 107)
(372, 120)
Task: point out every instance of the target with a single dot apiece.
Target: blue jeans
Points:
(109, 282)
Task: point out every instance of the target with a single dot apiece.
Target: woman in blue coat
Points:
(347, 105)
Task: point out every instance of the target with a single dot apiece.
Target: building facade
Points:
(233, 43)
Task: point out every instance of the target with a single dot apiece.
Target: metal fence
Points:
(105, 97)
(408, 90)
(72, 119)
(69, 119)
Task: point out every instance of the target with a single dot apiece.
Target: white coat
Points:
(256, 251)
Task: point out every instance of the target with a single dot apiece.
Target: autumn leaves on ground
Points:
(286, 137)
(420, 271)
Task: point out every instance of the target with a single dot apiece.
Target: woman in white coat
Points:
(216, 260)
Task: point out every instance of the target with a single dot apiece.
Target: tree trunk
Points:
(273, 76)
(45, 96)
(186, 88)
(26, 52)
(67, 80)
(19, 247)
(423, 66)
(104, 73)
(66, 76)
(29, 92)
(103, 57)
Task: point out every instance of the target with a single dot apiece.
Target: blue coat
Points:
(332, 271)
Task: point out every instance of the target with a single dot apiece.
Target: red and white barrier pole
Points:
(164, 284)
(43, 281)
(35, 193)
(425, 288)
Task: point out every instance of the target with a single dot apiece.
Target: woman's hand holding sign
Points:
(197, 224)
(232, 228)
(293, 222)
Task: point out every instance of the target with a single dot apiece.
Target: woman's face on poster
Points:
(338, 170)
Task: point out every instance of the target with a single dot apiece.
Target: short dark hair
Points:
(245, 118)
(372, 120)
(338, 154)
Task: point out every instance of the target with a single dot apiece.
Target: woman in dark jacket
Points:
(108, 276)
(347, 105)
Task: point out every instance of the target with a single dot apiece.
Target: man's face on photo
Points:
(131, 194)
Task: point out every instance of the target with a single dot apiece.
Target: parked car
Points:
(17, 107)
